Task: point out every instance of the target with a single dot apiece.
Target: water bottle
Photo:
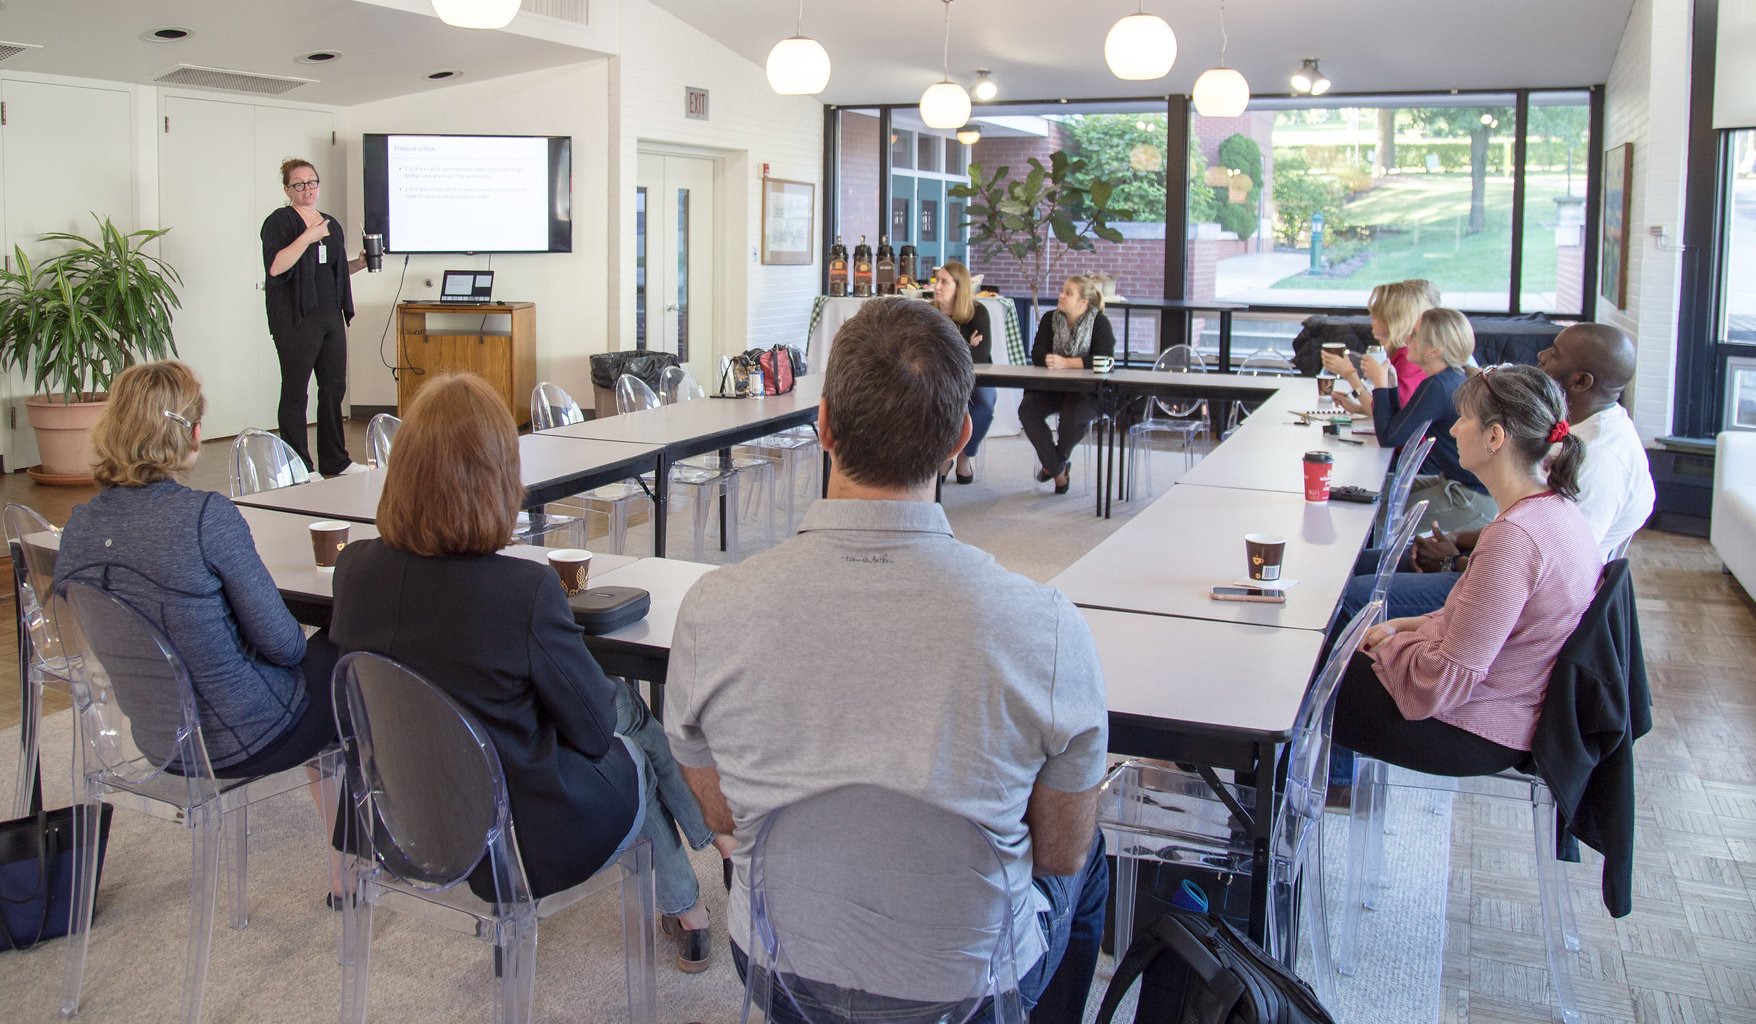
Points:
(756, 388)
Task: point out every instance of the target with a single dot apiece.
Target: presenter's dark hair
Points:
(1527, 403)
(453, 487)
(898, 389)
(291, 164)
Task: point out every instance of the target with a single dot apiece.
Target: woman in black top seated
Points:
(955, 298)
(1441, 345)
(496, 633)
(1067, 339)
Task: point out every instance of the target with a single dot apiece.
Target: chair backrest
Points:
(1180, 359)
(676, 385)
(380, 433)
(551, 406)
(840, 882)
(34, 542)
(1402, 479)
(632, 395)
(131, 691)
(1391, 553)
(1267, 362)
(430, 795)
(263, 462)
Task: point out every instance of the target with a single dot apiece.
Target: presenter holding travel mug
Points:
(310, 304)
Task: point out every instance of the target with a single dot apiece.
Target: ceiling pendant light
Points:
(969, 134)
(1140, 47)
(985, 89)
(1310, 80)
(1221, 91)
(798, 65)
(476, 13)
(945, 105)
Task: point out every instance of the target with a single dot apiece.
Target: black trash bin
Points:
(607, 366)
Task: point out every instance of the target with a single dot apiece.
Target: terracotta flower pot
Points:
(63, 438)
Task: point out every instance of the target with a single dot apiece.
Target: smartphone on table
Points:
(1258, 594)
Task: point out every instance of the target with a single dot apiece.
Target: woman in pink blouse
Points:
(1396, 310)
(1458, 692)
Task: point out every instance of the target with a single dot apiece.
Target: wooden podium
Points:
(507, 360)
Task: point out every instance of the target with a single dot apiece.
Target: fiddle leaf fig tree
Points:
(79, 317)
(1032, 219)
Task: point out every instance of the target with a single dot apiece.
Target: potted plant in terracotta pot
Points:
(74, 321)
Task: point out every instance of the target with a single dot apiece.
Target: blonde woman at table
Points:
(1067, 339)
(1396, 309)
(955, 298)
(185, 560)
(587, 769)
(1458, 692)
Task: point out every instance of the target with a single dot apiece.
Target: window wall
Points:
(1737, 282)
(1557, 145)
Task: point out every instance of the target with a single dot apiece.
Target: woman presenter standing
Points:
(310, 303)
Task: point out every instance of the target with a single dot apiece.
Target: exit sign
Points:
(694, 103)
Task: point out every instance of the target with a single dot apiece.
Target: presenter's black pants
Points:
(320, 343)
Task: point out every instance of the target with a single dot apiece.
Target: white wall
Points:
(749, 126)
(568, 288)
(1646, 102)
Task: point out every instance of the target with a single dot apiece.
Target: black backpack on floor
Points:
(1197, 969)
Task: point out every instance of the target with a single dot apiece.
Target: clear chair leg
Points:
(206, 835)
(639, 910)
(236, 825)
(85, 843)
(1552, 890)
(356, 943)
(29, 728)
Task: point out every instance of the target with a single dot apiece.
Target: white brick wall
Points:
(1647, 104)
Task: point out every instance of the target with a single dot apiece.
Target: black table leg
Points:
(661, 500)
(1225, 341)
(725, 466)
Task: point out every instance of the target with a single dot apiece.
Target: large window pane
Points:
(856, 179)
(1557, 145)
(1739, 284)
(1306, 203)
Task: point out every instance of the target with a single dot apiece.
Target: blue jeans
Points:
(668, 803)
(981, 417)
(1056, 987)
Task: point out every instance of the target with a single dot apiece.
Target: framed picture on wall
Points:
(1613, 273)
(1740, 405)
(788, 211)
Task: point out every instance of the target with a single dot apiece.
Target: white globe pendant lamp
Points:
(1140, 47)
(945, 104)
(476, 13)
(798, 65)
(1221, 91)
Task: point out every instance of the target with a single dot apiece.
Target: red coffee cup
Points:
(1317, 467)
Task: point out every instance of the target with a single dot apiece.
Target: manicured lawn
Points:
(1422, 222)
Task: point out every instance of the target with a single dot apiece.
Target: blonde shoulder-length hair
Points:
(454, 486)
(135, 442)
(1400, 306)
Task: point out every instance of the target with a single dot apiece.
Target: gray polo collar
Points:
(895, 516)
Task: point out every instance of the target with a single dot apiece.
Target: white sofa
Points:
(1734, 505)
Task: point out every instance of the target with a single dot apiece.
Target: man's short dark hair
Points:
(898, 387)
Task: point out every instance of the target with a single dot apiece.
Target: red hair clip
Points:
(1560, 430)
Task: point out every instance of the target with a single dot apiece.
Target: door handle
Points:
(672, 308)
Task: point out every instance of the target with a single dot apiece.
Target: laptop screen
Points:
(467, 286)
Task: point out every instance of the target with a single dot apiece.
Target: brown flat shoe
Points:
(694, 945)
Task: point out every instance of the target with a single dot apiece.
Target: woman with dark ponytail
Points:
(1458, 692)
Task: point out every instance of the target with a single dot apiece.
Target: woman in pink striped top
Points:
(1458, 692)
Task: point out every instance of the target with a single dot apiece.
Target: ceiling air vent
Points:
(230, 81)
(10, 50)
(576, 11)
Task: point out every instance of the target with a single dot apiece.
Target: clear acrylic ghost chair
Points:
(759, 466)
(262, 462)
(428, 805)
(140, 748)
(1178, 417)
(1401, 483)
(33, 542)
(706, 477)
(550, 407)
(380, 434)
(1264, 362)
(1155, 812)
(859, 860)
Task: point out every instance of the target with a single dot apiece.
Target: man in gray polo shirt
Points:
(874, 647)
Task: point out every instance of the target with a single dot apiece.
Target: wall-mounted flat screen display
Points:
(469, 193)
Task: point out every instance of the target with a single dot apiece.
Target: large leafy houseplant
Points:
(72, 322)
(1033, 219)
(79, 317)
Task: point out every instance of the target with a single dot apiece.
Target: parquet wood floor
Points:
(1686, 955)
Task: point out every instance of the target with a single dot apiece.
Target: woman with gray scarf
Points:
(1067, 339)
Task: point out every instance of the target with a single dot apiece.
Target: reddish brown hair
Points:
(453, 486)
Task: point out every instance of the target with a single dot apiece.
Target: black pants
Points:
(319, 342)
(1368, 721)
(1076, 411)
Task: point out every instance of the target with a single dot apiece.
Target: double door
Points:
(676, 275)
